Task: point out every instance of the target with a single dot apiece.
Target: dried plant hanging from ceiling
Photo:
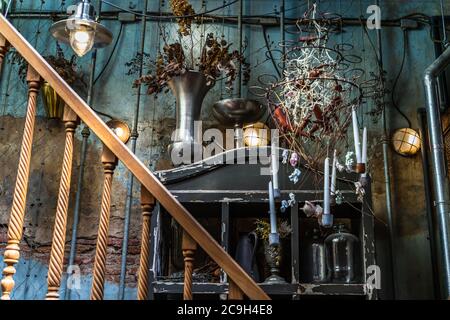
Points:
(311, 104)
(182, 8)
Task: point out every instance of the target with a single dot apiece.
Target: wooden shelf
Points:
(286, 289)
(354, 289)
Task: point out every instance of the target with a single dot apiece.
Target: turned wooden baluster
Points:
(15, 227)
(147, 204)
(189, 246)
(4, 46)
(55, 267)
(109, 161)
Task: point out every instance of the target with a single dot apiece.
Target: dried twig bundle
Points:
(66, 68)
(168, 64)
(215, 60)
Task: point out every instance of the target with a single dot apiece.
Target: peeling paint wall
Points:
(114, 95)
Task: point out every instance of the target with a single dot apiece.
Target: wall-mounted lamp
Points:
(256, 135)
(406, 141)
(81, 30)
(120, 128)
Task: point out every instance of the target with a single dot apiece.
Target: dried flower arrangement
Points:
(216, 59)
(263, 229)
(169, 63)
(67, 69)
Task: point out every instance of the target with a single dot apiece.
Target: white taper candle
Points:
(275, 165)
(364, 147)
(364, 151)
(333, 174)
(273, 213)
(326, 187)
(356, 136)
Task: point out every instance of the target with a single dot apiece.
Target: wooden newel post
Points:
(4, 46)
(15, 226)
(109, 161)
(189, 246)
(148, 204)
(55, 267)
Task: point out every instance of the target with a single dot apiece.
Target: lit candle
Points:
(364, 151)
(326, 187)
(275, 165)
(273, 213)
(356, 136)
(333, 174)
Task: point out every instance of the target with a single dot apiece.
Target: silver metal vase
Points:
(189, 90)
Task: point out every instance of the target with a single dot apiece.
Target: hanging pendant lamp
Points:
(81, 30)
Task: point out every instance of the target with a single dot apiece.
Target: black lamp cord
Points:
(394, 102)
(111, 55)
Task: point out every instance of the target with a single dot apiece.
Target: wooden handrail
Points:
(137, 168)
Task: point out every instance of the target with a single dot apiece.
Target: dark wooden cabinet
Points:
(227, 197)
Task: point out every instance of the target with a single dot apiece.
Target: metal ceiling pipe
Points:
(438, 50)
(133, 139)
(389, 213)
(440, 179)
(428, 200)
(387, 175)
(85, 133)
(240, 31)
(207, 18)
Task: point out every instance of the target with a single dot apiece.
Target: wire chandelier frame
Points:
(320, 85)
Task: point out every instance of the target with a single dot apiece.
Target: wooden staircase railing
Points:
(39, 68)
(56, 264)
(16, 220)
(147, 205)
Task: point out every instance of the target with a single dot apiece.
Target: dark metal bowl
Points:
(238, 111)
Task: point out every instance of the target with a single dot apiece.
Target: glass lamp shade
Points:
(406, 141)
(81, 30)
(82, 39)
(256, 135)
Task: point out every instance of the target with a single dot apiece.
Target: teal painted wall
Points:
(113, 94)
